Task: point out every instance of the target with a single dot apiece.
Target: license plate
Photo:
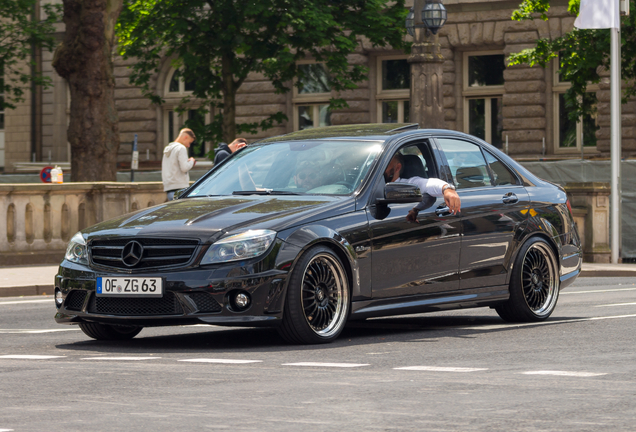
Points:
(129, 287)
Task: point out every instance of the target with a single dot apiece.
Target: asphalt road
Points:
(448, 371)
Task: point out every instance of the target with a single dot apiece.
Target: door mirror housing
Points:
(395, 193)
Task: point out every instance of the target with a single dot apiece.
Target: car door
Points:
(413, 258)
(494, 207)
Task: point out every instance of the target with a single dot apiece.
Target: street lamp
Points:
(433, 16)
(427, 100)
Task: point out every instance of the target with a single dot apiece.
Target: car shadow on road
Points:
(220, 339)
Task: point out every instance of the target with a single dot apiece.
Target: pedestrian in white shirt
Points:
(175, 165)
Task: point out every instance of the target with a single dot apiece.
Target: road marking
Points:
(314, 364)
(564, 373)
(440, 369)
(26, 301)
(228, 361)
(30, 357)
(121, 358)
(514, 325)
(6, 430)
(616, 304)
(23, 331)
(596, 291)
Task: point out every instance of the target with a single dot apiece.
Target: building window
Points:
(483, 92)
(311, 97)
(175, 90)
(572, 136)
(393, 95)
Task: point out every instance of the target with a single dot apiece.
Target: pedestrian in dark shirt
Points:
(225, 150)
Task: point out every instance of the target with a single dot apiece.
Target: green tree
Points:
(21, 31)
(217, 43)
(582, 54)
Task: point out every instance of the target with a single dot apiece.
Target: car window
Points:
(501, 173)
(414, 162)
(466, 162)
(330, 167)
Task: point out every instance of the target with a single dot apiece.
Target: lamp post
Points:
(427, 100)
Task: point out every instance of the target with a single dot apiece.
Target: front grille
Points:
(166, 305)
(205, 302)
(75, 300)
(156, 252)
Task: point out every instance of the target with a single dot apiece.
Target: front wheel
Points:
(534, 284)
(317, 302)
(109, 332)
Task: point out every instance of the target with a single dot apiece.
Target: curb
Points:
(31, 290)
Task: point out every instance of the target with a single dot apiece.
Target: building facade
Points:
(519, 109)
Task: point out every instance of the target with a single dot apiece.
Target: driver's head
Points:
(307, 176)
(393, 171)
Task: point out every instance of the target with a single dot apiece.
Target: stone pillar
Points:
(427, 98)
(590, 208)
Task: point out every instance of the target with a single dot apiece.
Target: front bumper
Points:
(193, 296)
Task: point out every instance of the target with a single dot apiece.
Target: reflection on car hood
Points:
(204, 218)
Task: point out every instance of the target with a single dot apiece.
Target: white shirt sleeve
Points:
(431, 186)
(182, 158)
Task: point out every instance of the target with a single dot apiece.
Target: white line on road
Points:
(596, 291)
(440, 369)
(514, 325)
(564, 373)
(228, 361)
(121, 358)
(23, 331)
(6, 430)
(26, 301)
(314, 364)
(616, 304)
(30, 357)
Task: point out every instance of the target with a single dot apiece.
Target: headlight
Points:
(248, 244)
(76, 250)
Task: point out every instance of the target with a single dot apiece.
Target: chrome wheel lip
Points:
(339, 305)
(539, 279)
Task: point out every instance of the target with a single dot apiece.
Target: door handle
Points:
(442, 211)
(510, 198)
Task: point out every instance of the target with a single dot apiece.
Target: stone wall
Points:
(41, 219)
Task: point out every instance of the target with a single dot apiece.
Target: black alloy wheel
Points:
(317, 303)
(534, 284)
(109, 332)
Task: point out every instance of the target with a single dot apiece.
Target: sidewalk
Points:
(38, 280)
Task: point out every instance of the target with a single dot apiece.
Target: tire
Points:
(534, 284)
(317, 303)
(109, 332)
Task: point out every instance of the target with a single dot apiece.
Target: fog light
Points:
(242, 300)
(59, 299)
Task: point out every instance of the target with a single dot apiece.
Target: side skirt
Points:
(464, 299)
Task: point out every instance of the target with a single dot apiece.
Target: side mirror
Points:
(178, 193)
(395, 193)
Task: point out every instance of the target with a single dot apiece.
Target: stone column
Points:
(427, 99)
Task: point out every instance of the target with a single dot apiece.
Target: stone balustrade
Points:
(42, 218)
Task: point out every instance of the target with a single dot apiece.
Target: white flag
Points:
(599, 14)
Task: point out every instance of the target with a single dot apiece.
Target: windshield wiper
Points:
(264, 192)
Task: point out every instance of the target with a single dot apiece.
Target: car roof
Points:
(375, 131)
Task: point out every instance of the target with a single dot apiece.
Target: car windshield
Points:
(329, 167)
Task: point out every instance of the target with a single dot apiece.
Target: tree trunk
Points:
(84, 59)
(229, 100)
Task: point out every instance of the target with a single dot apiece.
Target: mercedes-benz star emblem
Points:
(132, 253)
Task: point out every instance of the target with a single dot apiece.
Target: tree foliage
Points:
(217, 43)
(582, 54)
(19, 33)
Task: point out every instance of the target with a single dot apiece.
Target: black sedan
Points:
(302, 233)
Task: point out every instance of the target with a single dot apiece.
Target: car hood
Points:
(208, 218)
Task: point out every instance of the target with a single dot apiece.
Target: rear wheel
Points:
(534, 285)
(317, 302)
(109, 332)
